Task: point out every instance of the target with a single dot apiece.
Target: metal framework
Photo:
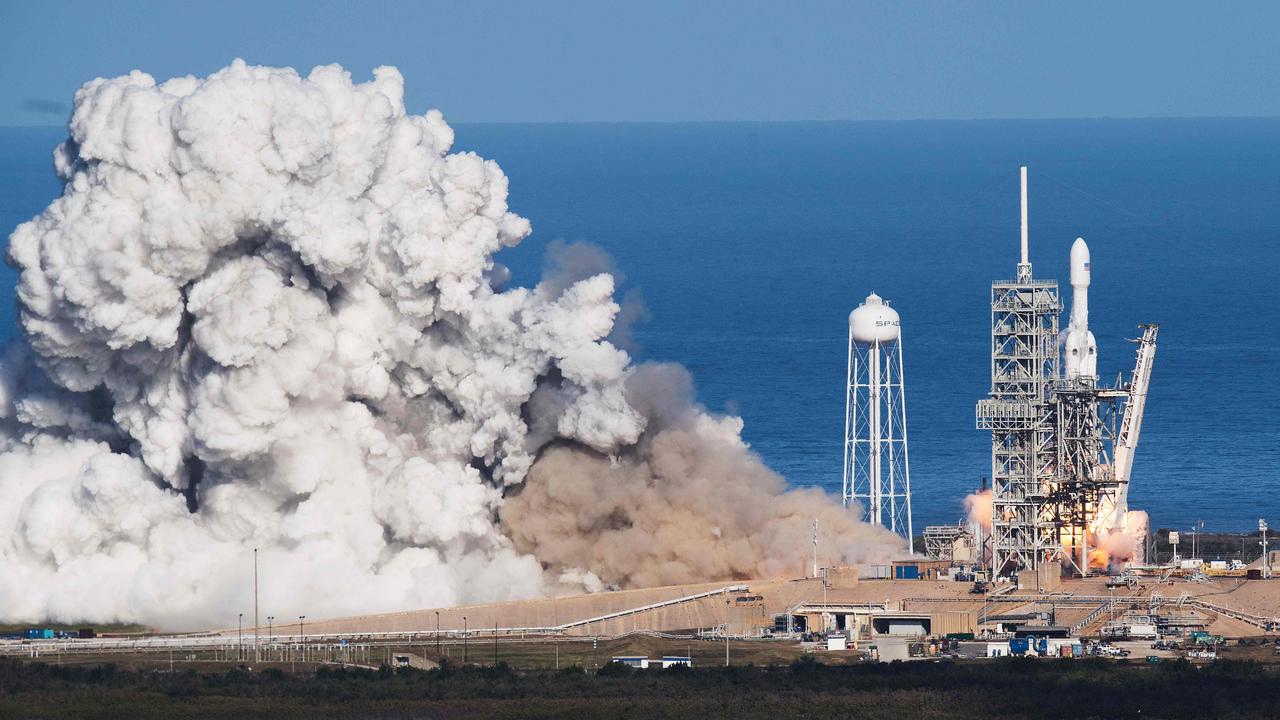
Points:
(1055, 488)
(1019, 413)
(877, 471)
(940, 540)
(1085, 483)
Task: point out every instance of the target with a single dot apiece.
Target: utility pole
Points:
(1266, 558)
(240, 638)
(464, 639)
(495, 641)
(302, 643)
(270, 632)
(437, 633)
(256, 657)
(726, 623)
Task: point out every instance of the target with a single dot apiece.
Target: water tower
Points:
(876, 472)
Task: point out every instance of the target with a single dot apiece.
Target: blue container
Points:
(1019, 646)
(38, 634)
(907, 572)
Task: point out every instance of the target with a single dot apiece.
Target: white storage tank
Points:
(874, 321)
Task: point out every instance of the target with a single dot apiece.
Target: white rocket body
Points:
(1081, 348)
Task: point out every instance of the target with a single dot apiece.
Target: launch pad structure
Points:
(1059, 469)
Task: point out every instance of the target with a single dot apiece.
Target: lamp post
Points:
(302, 642)
(495, 641)
(240, 638)
(726, 632)
(270, 632)
(256, 656)
(464, 639)
(1266, 559)
(437, 633)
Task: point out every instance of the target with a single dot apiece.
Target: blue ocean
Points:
(750, 244)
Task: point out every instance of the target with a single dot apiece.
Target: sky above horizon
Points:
(663, 60)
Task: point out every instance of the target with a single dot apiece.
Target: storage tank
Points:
(874, 321)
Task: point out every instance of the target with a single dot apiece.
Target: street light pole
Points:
(256, 656)
(302, 642)
(1266, 558)
(726, 632)
(240, 638)
(464, 639)
(437, 633)
(270, 632)
(495, 641)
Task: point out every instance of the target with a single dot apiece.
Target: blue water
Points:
(751, 242)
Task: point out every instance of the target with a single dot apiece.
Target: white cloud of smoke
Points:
(265, 313)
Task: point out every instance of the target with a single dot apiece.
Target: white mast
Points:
(1024, 267)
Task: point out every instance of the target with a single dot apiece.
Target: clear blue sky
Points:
(652, 60)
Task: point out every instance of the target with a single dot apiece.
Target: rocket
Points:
(1081, 349)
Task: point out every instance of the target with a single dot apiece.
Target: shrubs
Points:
(1009, 688)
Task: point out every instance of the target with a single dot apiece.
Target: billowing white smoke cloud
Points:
(265, 313)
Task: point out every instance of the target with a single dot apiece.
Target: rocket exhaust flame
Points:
(265, 312)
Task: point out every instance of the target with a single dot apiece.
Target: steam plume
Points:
(977, 507)
(264, 312)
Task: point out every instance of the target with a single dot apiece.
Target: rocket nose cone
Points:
(1080, 270)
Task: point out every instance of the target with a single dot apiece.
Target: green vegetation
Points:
(1014, 688)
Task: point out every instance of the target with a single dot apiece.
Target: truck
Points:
(1202, 637)
(1109, 650)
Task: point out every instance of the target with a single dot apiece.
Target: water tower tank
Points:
(874, 321)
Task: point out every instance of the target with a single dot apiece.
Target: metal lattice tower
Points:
(1085, 416)
(1019, 413)
(876, 471)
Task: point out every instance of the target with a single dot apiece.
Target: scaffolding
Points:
(941, 542)
(1020, 414)
(1085, 416)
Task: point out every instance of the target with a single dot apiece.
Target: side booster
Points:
(1081, 349)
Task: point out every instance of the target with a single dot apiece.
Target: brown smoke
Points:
(689, 502)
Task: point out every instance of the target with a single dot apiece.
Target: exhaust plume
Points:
(688, 502)
(977, 507)
(264, 313)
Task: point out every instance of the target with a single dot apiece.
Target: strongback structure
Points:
(877, 473)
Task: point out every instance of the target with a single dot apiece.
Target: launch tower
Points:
(1055, 489)
(1019, 413)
